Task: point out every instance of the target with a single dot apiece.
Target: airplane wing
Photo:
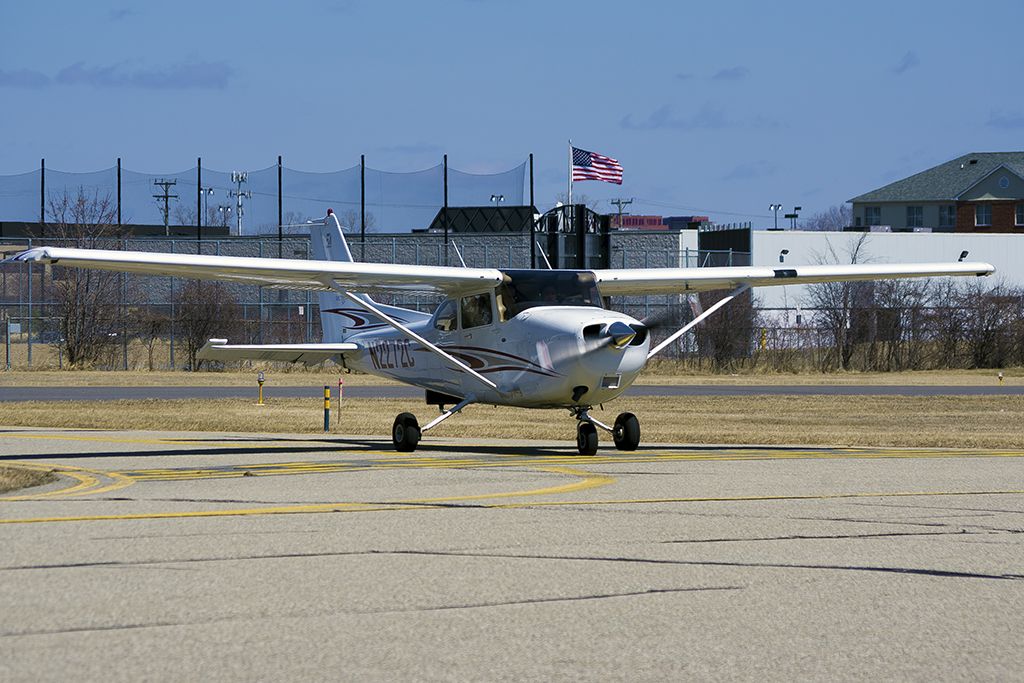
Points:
(309, 354)
(639, 281)
(371, 278)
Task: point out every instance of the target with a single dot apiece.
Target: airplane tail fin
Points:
(340, 317)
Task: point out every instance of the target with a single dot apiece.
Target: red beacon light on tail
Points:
(330, 212)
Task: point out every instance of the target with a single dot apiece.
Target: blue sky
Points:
(719, 108)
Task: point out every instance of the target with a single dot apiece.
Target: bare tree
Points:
(204, 310)
(89, 302)
(833, 219)
(185, 214)
(991, 316)
(350, 220)
(579, 198)
(838, 305)
(727, 337)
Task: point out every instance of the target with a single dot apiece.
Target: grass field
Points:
(13, 478)
(656, 373)
(939, 421)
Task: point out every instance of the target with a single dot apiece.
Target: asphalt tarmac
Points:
(280, 557)
(113, 393)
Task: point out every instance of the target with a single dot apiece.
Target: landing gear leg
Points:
(586, 430)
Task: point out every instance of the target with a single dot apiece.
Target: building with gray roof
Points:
(978, 192)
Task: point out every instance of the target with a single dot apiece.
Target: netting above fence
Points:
(392, 201)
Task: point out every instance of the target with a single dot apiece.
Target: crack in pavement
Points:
(570, 558)
(374, 612)
(757, 565)
(803, 537)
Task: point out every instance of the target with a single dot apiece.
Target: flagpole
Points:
(569, 202)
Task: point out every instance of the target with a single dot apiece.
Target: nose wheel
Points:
(586, 438)
(625, 433)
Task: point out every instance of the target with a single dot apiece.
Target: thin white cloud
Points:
(734, 73)
(664, 117)
(182, 76)
(1006, 120)
(906, 63)
(23, 78)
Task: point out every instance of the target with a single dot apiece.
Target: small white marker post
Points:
(341, 387)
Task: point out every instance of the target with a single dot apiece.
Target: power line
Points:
(619, 204)
(654, 202)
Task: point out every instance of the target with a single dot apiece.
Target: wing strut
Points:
(718, 304)
(409, 333)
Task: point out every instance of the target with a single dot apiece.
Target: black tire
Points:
(626, 432)
(405, 432)
(586, 438)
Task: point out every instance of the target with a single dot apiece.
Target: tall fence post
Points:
(119, 192)
(260, 328)
(199, 204)
(444, 218)
(362, 207)
(42, 197)
(172, 315)
(7, 345)
(280, 207)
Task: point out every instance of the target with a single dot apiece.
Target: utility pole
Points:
(239, 177)
(620, 204)
(166, 185)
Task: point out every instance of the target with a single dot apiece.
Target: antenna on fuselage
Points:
(546, 261)
(459, 253)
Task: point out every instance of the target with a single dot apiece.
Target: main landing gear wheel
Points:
(626, 432)
(405, 433)
(586, 438)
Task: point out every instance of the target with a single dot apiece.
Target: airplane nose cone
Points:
(620, 334)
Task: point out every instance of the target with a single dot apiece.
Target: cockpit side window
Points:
(445, 319)
(476, 310)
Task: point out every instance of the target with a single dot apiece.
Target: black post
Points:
(42, 197)
(533, 235)
(280, 207)
(119, 192)
(199, 203)
(362, 207)
(531, 179)
(444, 214)
(579, 220)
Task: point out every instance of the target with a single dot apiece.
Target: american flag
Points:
(593, 166)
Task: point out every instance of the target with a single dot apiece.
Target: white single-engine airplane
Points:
(526, 338)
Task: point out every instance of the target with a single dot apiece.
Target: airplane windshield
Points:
(523, 289)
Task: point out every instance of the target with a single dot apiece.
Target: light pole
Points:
(225, 213)
(206, 193)
(776, 208)
(497, 199)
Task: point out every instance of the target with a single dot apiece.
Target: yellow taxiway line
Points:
(587, 481)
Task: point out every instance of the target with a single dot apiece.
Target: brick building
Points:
(978, 192)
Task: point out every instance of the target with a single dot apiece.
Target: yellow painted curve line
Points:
(742, 499)
(588, 481)
(88, 481)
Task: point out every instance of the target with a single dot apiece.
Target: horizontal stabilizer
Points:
(309, 354)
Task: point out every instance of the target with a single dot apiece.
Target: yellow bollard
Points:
(327, 408)
(259, 380)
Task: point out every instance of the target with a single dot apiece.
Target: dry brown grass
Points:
(934, 421)
(662, 372)
(14, 478)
